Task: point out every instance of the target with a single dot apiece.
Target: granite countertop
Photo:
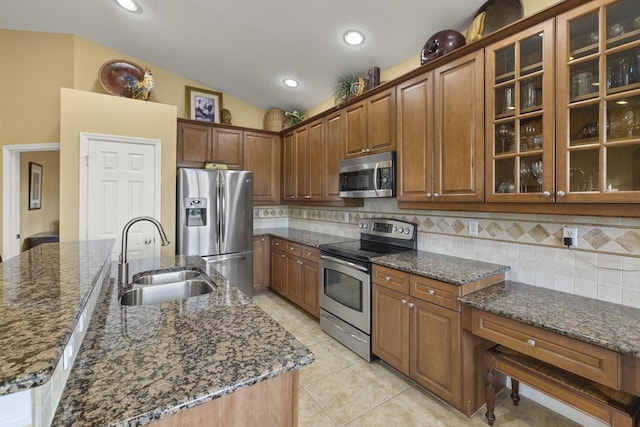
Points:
(450, 269)
(139, 364)
(309, 238)
(44, 291)
(612, 326)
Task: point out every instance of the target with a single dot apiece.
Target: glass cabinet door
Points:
(519, 126)
(598, 128)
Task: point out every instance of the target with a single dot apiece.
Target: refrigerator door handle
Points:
(217, 195)
(223, 213)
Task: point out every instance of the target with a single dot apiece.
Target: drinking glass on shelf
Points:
(536, 171)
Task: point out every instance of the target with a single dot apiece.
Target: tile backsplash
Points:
(605, 265)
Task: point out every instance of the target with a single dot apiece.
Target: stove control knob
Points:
(395, 228)
(361, 225)
(400, 229)
(366, 226)
(406, 230)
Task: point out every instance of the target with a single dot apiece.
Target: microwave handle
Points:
(375, 177)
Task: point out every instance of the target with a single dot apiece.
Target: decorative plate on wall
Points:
(112, 74)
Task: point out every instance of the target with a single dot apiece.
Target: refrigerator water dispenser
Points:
(196, 212)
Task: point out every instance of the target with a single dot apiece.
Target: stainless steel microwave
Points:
(369, 176)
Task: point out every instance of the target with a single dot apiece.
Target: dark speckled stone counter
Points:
(308, 238)
(140, 364)
(43, 293)
(450, 269)
(612, 326)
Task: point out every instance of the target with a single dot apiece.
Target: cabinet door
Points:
(598, 103)
(381, 122)
(310, 291)
(278, 266)
(415, 139)
(301, 149)
(262, 156)
(435, 349)
(261, 261)
(519, 132)
(390, 327)
(293, 279)
(355, 130)
(333, 146)
(459, 129)
(227, 147)
(315, 161)
(288, 167)
(193, 145)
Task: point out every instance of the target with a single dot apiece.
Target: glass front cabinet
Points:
(520, 123)
(598, 103)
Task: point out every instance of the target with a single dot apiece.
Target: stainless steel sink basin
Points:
(166, 292)
(159, 278)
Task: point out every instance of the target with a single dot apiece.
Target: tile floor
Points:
(341, 389)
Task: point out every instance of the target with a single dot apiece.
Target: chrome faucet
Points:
(123, 264)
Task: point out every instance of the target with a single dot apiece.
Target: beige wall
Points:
(47, 217)
(82, 111)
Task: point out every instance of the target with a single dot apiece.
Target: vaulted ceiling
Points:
(247, 48)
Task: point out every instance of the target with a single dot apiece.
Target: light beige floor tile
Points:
(326, 363)
(345, 395)
(382, 376)
(310, 414)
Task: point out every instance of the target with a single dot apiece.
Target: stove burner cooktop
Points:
(360, 250)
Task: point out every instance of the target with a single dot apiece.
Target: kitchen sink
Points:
(166, 292)
(163, 277)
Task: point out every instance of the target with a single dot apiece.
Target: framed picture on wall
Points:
(35, 186)
(204, 105)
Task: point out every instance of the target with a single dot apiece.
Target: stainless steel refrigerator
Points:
(215, 221)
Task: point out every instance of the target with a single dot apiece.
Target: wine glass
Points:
(536, 171)
(503, 133)
(525, 174)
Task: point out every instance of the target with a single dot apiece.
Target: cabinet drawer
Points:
(595, 363)
(435, 292)
(309, 253)
(278, 244)
(390, 278)
(292, 248)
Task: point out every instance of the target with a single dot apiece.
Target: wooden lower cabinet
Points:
(425, 340)
(269, 403)
(261, 264)
(295, 274)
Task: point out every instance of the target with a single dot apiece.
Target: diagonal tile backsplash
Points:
(605, 264)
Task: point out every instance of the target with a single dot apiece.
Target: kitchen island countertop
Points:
(140, 364)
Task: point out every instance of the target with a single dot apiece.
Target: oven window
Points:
(343, 289)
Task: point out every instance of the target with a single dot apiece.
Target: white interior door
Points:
(122, 182)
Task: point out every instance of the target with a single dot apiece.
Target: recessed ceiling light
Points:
(291, 83)
(353, 37)
(130, 5)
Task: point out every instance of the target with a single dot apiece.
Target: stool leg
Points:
(515, 391)
(491, 397)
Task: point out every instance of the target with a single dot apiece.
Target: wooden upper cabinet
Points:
(333, 149)
(288, 167)
(227, 147)
(301, 159)
(519, 125)
(370, 125)
(315, 159)
(415, 139)
(262, 156)
(198, 143)
(193, 144)
(459, 130)
(598, 104)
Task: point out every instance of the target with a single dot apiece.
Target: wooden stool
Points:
(614, 407)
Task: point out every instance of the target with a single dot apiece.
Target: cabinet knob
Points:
(546, 194)
(262, 239)
(531, 342)
(387, 278)
(404, 301)
(428, 195)
(277, 244)
(299, 262)
(560, 193)
(307, 197)
(282, 256)
(431, 292)
(436, 195)
(411, 305)
(293, 197)
(368, 150)
(363, 151)
(309, 253)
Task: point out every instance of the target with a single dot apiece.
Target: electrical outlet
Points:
(570, 236)
(473, 227)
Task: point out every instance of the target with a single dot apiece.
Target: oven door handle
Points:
(343, 262)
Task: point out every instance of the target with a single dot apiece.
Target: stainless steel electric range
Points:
(345, 279)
